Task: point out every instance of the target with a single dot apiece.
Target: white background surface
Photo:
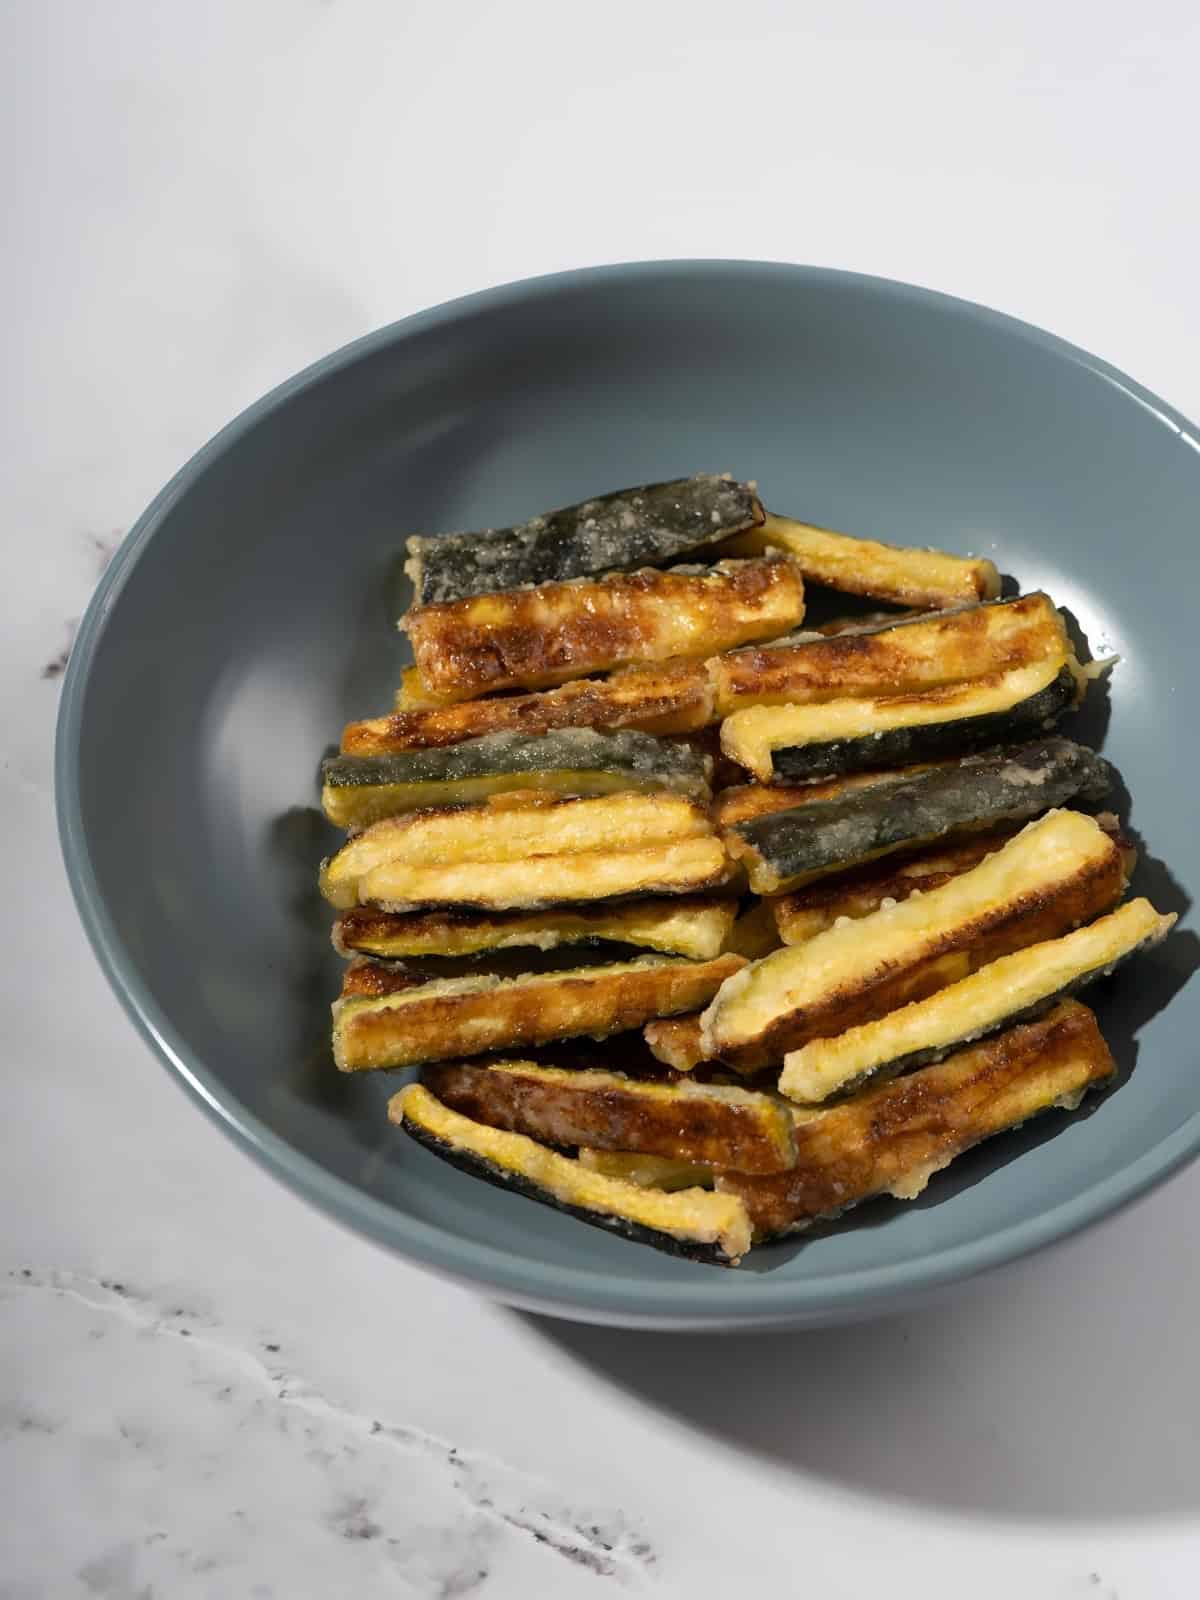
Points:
(201, 199)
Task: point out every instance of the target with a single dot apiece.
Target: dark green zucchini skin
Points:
(570, 749)
(467, 1161)
(900, 747)
(1001, 786)
(649, 526)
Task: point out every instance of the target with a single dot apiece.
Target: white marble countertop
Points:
(205, 1388)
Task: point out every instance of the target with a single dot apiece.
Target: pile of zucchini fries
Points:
(701, 927)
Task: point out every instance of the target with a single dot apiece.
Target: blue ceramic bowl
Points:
(249, 614)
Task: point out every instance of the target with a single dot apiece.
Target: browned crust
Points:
(674, 698)
(890, 1138)
(373, 978)
(940, 649)
(602, 1111)
(675, 1041)
(959, 951)
(535, 638)
(523, 1013)
(806, 912)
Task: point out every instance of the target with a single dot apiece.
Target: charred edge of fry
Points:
(709, 1124)
(372, 979)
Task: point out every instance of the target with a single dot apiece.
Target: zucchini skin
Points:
(536, 638)
(360, 790)
(785, 849)
(650, 525)
(891, 1138)
(934, 741)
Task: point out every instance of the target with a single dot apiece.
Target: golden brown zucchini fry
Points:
(700, 1226)
(901, 574)
(804, 913)
(678, 925)
(1006, 991)
(535, 638)
(367, 977)
(507, 833)
(1056, 873)
(676, 697)
(896, 658)
(454, 1017)
(414, 695)
(790, 743)
(893, 1137)
(698, 1122)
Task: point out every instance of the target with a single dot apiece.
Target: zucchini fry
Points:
(1055, 874)
(893, 1137)
(900, 574)
(800, 916)
(676, 697)
(677, 925)
(676, 1041)
(897, 811)
(798, 742)
(453, 1017)
(360, 790)
(1007, 991)
(469, 835)
(536, 638)
(700, 1123)
(648, 526)
(903, 657)
(699, 1226)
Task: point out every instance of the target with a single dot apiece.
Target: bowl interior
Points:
(251, 615)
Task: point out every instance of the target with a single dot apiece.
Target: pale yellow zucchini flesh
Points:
(1057, 872)
(693, 1223)
(991, 998)
(459, 1017)
(685, 866)
(891, 1138)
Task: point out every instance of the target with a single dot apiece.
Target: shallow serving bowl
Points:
(249, 614)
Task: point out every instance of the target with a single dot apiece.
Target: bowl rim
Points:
(762, 1299)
